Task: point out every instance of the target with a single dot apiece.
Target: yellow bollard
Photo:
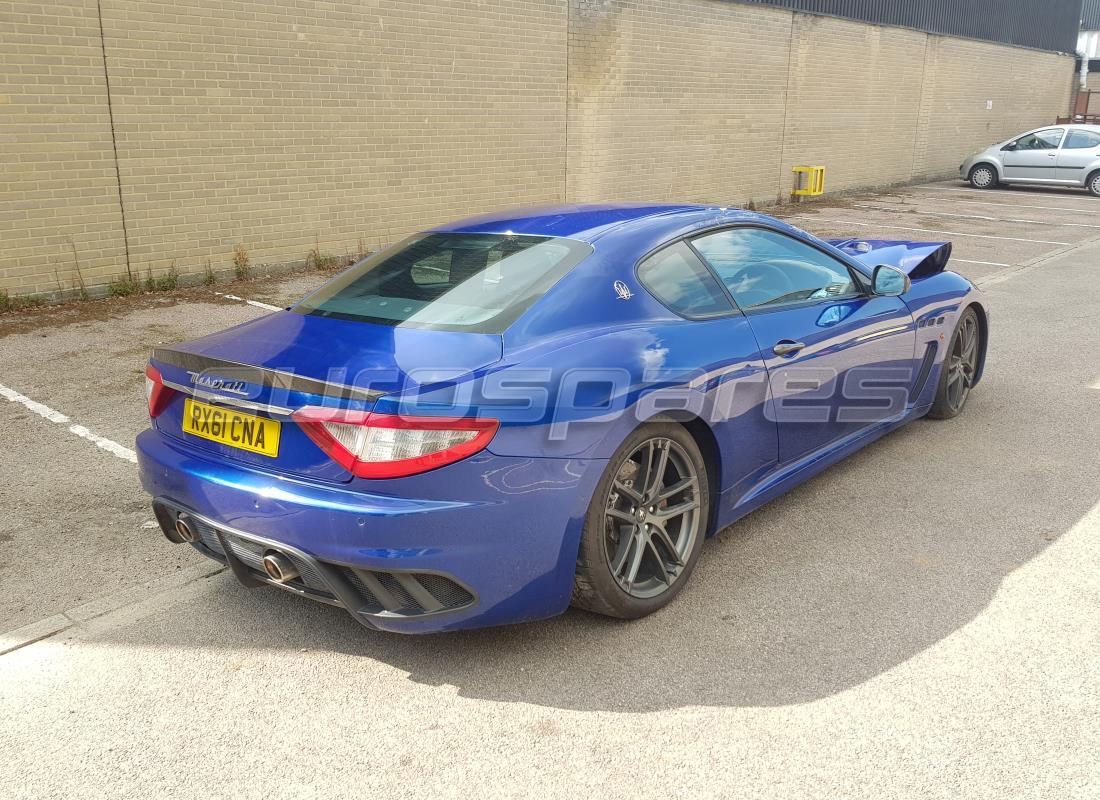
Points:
(813, 181)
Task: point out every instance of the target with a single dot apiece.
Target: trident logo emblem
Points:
(623, 291)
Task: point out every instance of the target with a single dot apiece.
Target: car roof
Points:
(587, 222)
(1070, 125)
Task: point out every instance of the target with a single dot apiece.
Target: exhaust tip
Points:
(278, 567)
(185, 531)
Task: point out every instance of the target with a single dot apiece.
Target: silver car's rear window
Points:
(477, 282)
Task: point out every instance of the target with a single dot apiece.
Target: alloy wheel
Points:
(652, 518)
(962, 363)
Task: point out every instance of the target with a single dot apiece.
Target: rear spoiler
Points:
(915, 259)
(210, 377)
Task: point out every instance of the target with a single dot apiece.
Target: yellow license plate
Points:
(246, 431)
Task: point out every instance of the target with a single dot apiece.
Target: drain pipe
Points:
(1084, 71)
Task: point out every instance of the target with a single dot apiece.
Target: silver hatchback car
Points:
(1060, 155)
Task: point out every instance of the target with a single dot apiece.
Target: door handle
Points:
(787, 348)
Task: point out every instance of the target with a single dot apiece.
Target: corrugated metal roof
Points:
(1090, 15)
(1046, 25)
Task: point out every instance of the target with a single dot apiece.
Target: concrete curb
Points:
(85, 612)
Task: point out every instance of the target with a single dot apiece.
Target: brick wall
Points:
(715, 102)
(287, 125)
(1027, 89)
(1094, 86)
(58, 189)
(675, 99)
(284, 125)
(852, 101)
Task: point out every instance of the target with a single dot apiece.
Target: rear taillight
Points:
(371, 445)
(156, 392)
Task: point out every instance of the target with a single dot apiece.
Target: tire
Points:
(1093, 184)
(669, 546)
(960, 364)
(983, 176)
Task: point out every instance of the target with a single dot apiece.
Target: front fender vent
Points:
(922, 373)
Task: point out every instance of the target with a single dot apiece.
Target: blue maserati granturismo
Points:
(494, 419)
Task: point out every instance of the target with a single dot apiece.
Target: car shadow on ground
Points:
(1024, 188)
(837, 582)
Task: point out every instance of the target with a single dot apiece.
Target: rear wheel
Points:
(645, 526)
(1094, 184)
(960, 367)
(983, 176)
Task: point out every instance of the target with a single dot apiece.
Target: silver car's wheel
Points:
(1094, 184)
(983, 177)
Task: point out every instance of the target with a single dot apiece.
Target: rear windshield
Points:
(478, 282)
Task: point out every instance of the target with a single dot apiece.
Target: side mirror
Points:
(889, 281)
(1009, 146)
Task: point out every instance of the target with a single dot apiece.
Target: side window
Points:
(676, 278)
(763, 268)
(1041, 140)
(1081, 140)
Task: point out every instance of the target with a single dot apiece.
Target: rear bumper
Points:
(496, 537)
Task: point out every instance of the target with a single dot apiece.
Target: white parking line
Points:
(1007, 205)
(44, 411)
(983, 263)
(1018, 269)
(93, 609)
(50, 626)
(902, 209)
(924, 230)
(256, 303)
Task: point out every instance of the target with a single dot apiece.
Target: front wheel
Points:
(960, 368)
(983, 176)
(645, 525)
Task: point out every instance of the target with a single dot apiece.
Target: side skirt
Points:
(788, 476)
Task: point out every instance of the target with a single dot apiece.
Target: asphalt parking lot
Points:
(922, 620)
